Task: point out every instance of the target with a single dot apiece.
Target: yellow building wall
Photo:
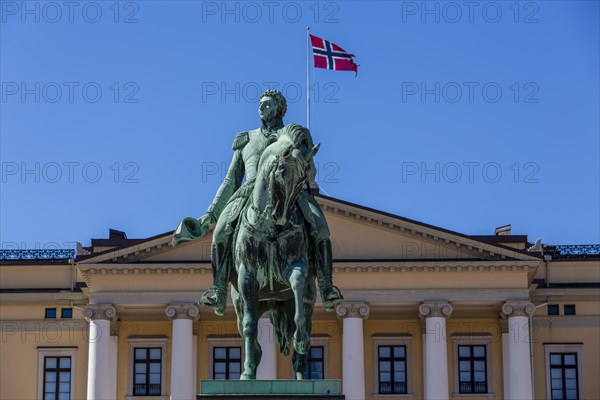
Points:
(24, 330)
(489, 327)
(140, 329)
(382, 327)
(590, 352)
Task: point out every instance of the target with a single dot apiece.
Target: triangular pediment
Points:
(357, 233)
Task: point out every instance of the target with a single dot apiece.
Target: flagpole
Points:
(308, 77)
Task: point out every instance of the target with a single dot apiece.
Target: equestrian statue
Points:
(271, 238)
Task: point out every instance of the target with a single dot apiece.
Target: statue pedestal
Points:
(271, 389)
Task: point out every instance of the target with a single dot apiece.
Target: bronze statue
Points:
(232, 197)
(270, 253)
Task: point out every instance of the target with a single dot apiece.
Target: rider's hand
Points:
(203, 225)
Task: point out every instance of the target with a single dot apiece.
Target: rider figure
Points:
(232, 196)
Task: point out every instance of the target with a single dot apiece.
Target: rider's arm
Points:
(232, 181)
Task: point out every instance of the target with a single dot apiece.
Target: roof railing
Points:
(37, 254)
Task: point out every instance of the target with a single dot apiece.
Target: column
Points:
(505, 336)
(519, 356)
(435, 350)
(353, 356)
(101, 361)
(183, 385)
(267, 369)
(114, 350)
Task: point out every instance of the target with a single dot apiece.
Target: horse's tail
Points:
(284, 329)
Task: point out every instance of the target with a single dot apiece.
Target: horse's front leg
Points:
(297, 280)
(248, 287)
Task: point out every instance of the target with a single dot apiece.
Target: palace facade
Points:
(428, 314)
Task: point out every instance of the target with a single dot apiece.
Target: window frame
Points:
(147, 360)
(551, 348)
(393, 340)
(311, 359)
(62, 313)
(51, 309)
(318, 341)
(44, 352)
(557, 306)
(569, 313)
(472, 359)
(146, 342)
(228, 360)
(469, 339)
(234, 341)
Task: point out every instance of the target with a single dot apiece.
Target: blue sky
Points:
(121, 114)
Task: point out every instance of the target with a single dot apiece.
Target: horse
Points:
(271, 253)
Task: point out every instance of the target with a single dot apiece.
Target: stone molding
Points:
(183, 311)
(352, 310)
(518, 309)
(93, 312)
(427, 310)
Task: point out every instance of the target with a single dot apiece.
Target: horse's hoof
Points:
(247, 377)
(219, 311)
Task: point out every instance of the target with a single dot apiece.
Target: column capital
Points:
(435, 309)
(352, 310)
(183, 311)
(92, 312)
(518, 309)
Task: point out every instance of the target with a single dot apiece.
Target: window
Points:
(148, 371)
(392, 361)
(392, 369)
(553, 309)
(66, 313)
(563, 376)
(472, 363)
(563, 371)
(569, 309)
(316, 363)
(147, 365)
(55, 377)
(472, 369)
(50, 313)
(227, 362)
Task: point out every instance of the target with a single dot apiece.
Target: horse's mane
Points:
(298, 135)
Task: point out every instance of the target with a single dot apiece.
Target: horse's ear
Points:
(312, 152)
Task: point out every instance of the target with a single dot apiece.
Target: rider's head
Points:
(272, 105)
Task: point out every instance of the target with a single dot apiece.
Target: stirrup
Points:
(330, 304)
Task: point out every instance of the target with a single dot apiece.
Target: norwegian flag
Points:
(331, 56)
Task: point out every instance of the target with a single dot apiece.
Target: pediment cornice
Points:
(351, 212)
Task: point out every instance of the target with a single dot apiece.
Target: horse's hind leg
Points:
(297, 279)
(248, 287)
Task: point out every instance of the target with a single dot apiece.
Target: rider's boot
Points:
(330, 294)
(216, 296)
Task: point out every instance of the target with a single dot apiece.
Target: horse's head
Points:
(282, 171)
